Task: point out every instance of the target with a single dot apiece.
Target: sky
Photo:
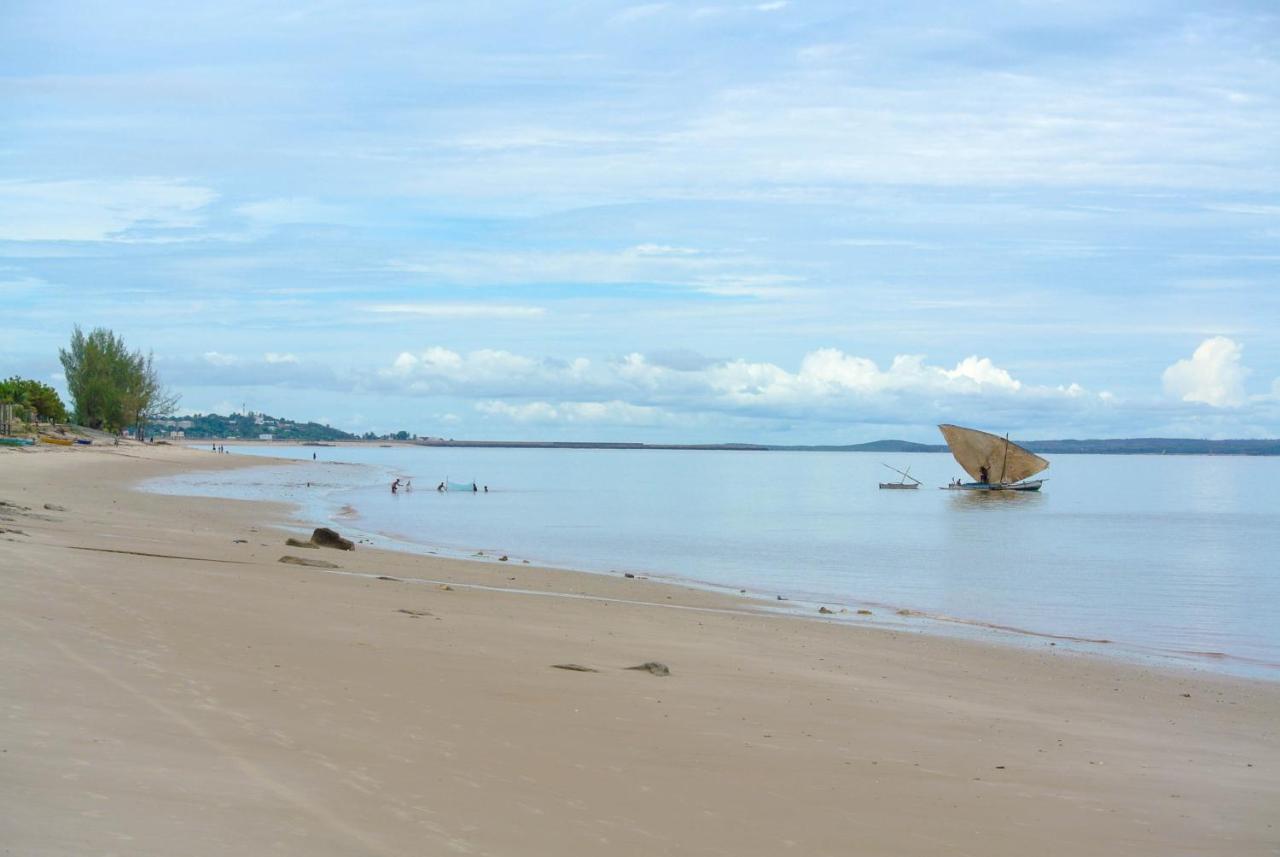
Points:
(773, 222)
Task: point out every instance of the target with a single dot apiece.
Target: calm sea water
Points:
(1164, 556)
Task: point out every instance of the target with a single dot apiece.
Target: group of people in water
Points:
(217, 447)
(407, 485)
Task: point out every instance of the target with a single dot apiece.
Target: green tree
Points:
(40, 397)
(112, 387)
(145, 397)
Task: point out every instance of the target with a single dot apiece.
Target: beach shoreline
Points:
(175, 688)
(1116, 640)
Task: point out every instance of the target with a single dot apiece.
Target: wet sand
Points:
(170, 688)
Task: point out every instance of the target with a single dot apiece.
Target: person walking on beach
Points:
(395, 486)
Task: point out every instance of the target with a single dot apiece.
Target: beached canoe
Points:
(58, 441)
(84, 441)
(16, 441)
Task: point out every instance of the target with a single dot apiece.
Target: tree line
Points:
(35, 396)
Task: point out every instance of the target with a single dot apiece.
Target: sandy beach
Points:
(170, 687)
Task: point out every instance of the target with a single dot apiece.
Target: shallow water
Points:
(1173, 557)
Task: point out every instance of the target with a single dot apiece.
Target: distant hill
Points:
(873, 446)
(1106, 446)
(252, 426)
(1099, 446)
(244, 427)
(1156, 446)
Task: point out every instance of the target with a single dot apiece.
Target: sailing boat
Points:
(994, 462)
(901, 483)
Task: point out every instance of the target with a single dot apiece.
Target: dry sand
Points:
(169, 691)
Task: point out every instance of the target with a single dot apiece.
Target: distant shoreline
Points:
(1115, 446)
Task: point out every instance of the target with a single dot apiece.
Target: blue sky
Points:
(795, 221)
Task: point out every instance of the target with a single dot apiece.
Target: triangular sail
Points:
(979, 451)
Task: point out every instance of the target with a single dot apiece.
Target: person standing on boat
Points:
(982, 475)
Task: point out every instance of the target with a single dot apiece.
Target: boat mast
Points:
(1004, 463)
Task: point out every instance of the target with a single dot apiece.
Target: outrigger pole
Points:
(906, 473)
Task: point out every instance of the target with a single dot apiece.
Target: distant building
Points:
(177, 434)
(266, 436)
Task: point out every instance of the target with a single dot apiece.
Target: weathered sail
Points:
(991, 456)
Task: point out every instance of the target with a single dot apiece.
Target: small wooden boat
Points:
(84, 441)
(16, 441)
(58, 441)
(902, 483)
(994, 462)
(1032, 485)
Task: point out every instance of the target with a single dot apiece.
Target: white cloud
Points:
(729, 273)
(286, 210)
(827, 380)
(609, 413)
(1213, 375)
(99, 210)
(457, 310)
(273, 357)
(763, 286)
(640, 12)
(219, 359)
(662, 250)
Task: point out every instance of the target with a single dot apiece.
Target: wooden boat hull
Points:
(1031, 485)
(16, 441)
(898, 486)
(58, 441)
(84, 441)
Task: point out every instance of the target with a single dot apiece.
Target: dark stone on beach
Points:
(385, 577)
(239, 541)
(299, 543)
(502, 558)
(864, 613)
(414, 613)
(314, 563)
(629, 574)
(825, 610)
(577, 668)
(652, 667)
(780, 598)
(54, 507)
(327, 538)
